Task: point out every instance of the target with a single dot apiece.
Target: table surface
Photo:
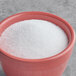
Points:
(63, 8)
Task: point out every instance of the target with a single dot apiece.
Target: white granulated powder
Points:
(33, 39)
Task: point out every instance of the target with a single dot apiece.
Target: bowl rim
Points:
(70, 45)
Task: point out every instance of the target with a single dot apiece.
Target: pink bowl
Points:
(51, 66)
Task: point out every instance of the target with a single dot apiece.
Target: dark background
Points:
(63, 8)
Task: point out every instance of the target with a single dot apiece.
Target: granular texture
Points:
(33, 39)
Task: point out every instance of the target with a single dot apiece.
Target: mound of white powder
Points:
(33, 39)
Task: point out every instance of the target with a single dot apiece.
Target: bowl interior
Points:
(42, 16)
